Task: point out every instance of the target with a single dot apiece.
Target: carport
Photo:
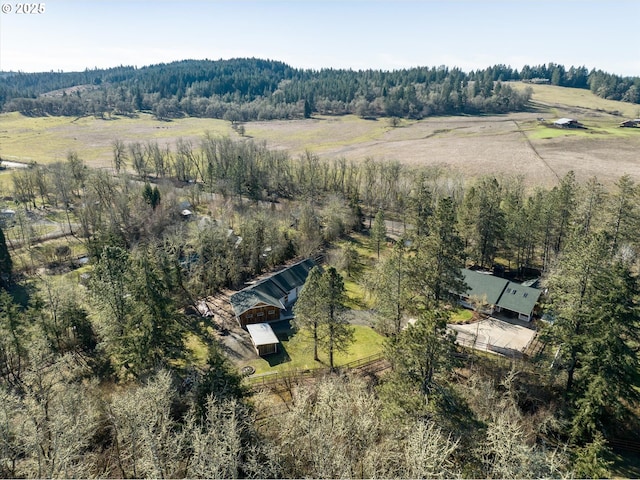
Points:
(263, 338)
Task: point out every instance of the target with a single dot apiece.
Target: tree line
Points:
(254, 89)
(250, 89)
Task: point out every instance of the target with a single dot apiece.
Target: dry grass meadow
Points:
(510, 144)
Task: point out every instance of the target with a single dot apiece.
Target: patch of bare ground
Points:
(470, 146)
(480, 149)
(235, 341)
(606, 159)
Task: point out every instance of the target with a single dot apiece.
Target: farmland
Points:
(515, 143)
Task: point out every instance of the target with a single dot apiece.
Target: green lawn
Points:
(461, 315)
(601, 130)
(356, 295)
(296, 350)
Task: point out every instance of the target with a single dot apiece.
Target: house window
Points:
(525, 295)
(514, 292)
(249, 315)
(261, 314)
(272, 312)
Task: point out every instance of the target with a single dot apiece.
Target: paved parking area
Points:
(493, 334)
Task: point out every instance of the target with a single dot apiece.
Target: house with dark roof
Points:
(520, 299)
(267, 300)
(498, 294)
(631, 123)
(483, 288)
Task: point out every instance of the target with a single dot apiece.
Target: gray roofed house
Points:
(482, 286)
(520, 299)
(499, 294)
(268, 298)
(631, 123)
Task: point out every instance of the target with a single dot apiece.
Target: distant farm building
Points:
(635, 123)
(567, 123)
(269, 299)
(494, 294)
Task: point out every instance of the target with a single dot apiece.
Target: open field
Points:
(511, 144)
(49, 139)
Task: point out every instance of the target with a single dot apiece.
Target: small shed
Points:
(567, 123)
(7, 217)
(264, 340)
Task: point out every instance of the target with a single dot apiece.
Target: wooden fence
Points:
(297, 376)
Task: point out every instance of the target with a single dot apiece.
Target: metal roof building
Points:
(263, 338)
(265, 300)
(567, 123)
(520, 299)
(499, 294)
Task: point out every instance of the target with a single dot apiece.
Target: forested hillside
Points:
(250, 89)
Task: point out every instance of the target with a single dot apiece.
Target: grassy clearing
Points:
(320, 133)
(356, 294)
(593, 130)
(296, 351)
(197, 352)
(50, 139)
(460, 145)
(573, 97)
(461, 315)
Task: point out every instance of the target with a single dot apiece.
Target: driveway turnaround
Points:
(494, 335)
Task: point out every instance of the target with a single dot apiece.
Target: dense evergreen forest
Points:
(96, 379)
(253, 89)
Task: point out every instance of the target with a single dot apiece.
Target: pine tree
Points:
(594, 305)
(338, 334)
(390, 284)
(6, 264)
(439, 257)
(320, 311)
(309, 307)
(623, 216)
(419, 356)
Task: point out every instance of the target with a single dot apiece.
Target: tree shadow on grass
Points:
(275, 359)
(284, 332)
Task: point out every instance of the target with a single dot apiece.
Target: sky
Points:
(355, 34)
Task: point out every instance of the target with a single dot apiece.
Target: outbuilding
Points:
(635, 123)
(267, 299)
(263, 338)
(567, 123)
